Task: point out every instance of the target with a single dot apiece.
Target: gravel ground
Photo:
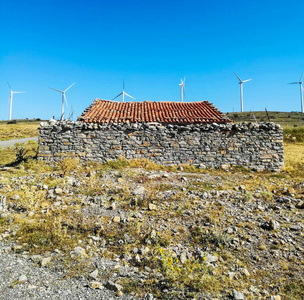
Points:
(20, 278)
(239, 233)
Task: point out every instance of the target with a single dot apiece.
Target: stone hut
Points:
(168, 133)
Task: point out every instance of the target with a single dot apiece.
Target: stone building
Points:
(168, 133)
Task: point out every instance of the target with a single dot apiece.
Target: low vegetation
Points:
(18, 153)
(294, 134)
(174, 232)
(10, 130)
(285, 119)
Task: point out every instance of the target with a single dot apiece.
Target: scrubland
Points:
(18, 130)
(166, 232)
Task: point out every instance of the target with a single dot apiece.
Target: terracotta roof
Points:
(104, 111)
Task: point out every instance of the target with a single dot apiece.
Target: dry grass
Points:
(41, 225)
(285, 119)
(9, 155)
(19, 130)
(294, 158)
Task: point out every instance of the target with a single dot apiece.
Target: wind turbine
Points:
(63, 98)
(182, 85)
(241, 84)
(123, 93)
(11, 100)
(301, 90)
(72, 114)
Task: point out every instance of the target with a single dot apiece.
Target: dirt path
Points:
(13, 142)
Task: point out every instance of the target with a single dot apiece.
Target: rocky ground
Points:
(25, 277)
(129, 232)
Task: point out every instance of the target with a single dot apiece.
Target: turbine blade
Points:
(123, 84)
(301, 76)
(70, 86)
(56, 90)
(294, 83)
(129, 96)
(238, 77)
(117, 96)
(66, 101)
(18, 92)
(184, 79)
(247, 80)
(9, 85)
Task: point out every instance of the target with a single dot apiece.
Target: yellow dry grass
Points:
(19, 130)
(63, 227)
(8, 155)
(294, 157)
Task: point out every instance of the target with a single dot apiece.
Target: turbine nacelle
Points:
(11, 99)
(123, 93)
(241, 82)
(63, 99)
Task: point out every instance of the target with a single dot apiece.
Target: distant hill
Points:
(285, 119)
(18, 121)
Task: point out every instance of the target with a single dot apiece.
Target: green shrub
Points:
(117, 164)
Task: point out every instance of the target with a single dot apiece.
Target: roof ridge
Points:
(109, 111)
(150, 101)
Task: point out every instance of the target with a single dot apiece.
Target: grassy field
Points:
(22, 129)
(294, 157)
(172, 214)
(9, 155)
(42, 224)
(285, 119)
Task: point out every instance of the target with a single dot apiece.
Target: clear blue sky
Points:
(151, 45)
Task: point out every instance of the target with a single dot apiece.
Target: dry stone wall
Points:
(253, 145)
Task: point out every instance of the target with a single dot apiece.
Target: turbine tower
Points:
(63, 98)
(123, 93)
(241, 85)
(182, 85)
(301, 91)
(11, 100)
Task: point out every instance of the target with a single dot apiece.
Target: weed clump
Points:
(212, 239)
(68, 164)
(117, 164)
(293, 135)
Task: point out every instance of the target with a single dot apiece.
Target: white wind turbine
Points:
(241, 85)
(63, 98)
(123, 93)
(182, 85)
(11, 100)
(301, 91)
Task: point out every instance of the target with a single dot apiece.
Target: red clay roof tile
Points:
(104, 111)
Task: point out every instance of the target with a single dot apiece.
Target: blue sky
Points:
(151, 45)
